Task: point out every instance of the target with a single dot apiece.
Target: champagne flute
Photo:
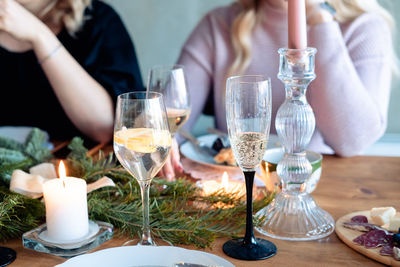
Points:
(142, 142)
(248, 115)
(170, 80)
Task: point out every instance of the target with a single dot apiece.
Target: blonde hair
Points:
(242, 28)
(247, 19)
(67, 13)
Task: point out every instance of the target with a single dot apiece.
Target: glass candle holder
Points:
(294, 215)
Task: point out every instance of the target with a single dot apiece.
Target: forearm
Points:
(349, 98)
(85, 101)
(199, 83)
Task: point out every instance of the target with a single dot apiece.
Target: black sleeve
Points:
(111, 57)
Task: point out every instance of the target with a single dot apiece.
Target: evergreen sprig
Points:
(18, 214)
(15, 155)
(179, 213)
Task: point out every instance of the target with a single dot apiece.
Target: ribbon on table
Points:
(30, 184)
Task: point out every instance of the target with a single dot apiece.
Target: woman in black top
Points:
(62, 65)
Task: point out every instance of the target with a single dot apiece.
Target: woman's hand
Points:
(19, 23)
(173, 164)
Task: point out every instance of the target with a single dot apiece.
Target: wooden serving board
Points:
(347, 235)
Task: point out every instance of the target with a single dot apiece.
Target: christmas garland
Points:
(179, 213)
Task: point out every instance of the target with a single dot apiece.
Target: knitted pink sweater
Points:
(349, 97)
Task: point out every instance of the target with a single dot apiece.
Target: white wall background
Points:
(160, 27)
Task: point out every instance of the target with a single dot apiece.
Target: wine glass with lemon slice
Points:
(142, 141)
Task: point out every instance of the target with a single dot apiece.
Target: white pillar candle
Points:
(66, 208)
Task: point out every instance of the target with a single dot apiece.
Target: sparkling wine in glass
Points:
(248, 116)
(170, 80)
(142, 141)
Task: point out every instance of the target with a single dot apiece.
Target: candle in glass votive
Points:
(66, 207)
(226, 186)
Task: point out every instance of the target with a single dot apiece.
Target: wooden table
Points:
(347, 185)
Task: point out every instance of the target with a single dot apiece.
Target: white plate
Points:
(20, 133)
(145, 256)
(190, 152)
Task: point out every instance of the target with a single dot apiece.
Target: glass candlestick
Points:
(294, 215)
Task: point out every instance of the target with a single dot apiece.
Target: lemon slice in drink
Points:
(143, 140)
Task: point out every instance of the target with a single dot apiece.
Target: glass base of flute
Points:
(249, 247)
(7, 256)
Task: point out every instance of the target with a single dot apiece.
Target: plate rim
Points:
(216, 165)
(137, 249)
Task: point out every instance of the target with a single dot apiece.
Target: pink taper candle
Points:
(297, 24)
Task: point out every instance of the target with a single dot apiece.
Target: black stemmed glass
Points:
(248, 115)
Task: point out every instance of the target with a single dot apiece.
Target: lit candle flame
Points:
(225, 180)
(62, 172)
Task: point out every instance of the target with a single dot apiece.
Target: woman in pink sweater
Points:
(354, 65)
(351, 93)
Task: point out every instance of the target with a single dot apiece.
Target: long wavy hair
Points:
(66, 13)
(247, 19)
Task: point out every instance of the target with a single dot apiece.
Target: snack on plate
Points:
(382, 232)
(394, 223)
(374, 236)
(382, 215)
(225, 156)
(396, 252)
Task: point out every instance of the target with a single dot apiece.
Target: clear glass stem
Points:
(146, 234)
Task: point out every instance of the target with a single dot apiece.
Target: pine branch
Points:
(18, 214)
(35, 146)
(14, 155)
(172, 216)
(179, 213)
(9, 143)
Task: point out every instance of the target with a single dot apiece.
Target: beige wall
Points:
(160, 27)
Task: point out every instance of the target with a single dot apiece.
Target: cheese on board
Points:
(382, 215)
(394, 223)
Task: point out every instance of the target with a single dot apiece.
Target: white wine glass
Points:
(248, 116)
(142, 142)
(170, 81)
